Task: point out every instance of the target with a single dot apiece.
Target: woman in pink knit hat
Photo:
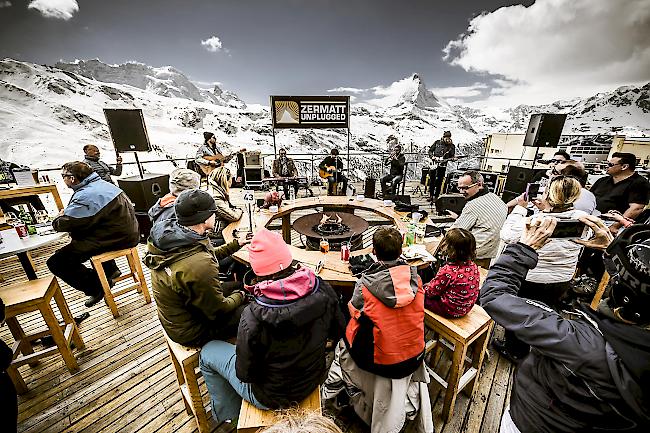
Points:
(280, 354)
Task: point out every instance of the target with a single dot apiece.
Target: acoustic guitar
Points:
(329, 171)
(221, 160)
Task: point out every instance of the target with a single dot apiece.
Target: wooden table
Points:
(12, 244)
(334, 271)
(39, 188)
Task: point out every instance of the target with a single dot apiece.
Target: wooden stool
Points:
(600, 291)
(186, 365)
(36, 295)
(140, 285)
(251, 419)
(475, 328)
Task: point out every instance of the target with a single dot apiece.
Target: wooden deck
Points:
(126, 382)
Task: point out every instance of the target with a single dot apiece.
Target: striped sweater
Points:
(484, 215)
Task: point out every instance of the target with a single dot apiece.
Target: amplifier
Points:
(252, 158)
(144, 192)
(452, 202)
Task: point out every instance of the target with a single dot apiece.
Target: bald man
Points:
(100, 167)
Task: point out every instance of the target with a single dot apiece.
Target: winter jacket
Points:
(396, 165)
(226, 211)
(385, 335)
(102, 169)
(207, 150)
(99, 217)
(484, 215)
(185, 279)
(557, 259)
(457, 286)
(277, 168)
(440, 149)
(163, 209)
(583, 374)
(282, 335)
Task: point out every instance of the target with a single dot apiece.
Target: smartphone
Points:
(569, 229)
(532, 190)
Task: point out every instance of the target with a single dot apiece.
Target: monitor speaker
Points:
(144, 192)
(369, 187)
(128, 131)
(452, 202)
(253, 174)
(406, 199)
(519, 177)
(544, 130)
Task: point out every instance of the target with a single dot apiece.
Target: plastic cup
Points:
(416, 216)
(361, 197)
(273, 208)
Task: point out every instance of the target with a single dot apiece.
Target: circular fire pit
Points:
(336, 227)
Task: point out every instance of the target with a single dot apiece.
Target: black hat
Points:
(446, 134)
(194, 206)
(207, 135)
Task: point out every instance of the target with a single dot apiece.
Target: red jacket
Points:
(456, 286)
(385, 335)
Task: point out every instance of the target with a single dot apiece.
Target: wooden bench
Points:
(36, 295)
(251, 419)
(186, 365)
(136, 273)
(472, 330)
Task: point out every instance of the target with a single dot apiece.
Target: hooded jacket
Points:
(583, 374)
(282, 335)
(99, 217)
(163, 209)
(185, 279)
(385, 335)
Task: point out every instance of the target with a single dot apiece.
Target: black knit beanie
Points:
(194, 206)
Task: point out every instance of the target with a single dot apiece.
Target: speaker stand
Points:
(137, 161)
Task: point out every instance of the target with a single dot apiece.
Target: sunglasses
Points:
(66, 175)
(557, 161)
(465, 188)
(610, 164)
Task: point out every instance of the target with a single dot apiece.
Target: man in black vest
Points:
(104, 170)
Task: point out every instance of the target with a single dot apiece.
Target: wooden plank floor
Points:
(126, 382)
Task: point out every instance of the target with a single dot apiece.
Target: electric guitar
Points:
(437, 161)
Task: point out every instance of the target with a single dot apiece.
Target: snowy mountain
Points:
(47, 114)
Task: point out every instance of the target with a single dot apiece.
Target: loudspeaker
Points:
(252, 159)
(519, 177)
(128, 131)
(253, 174)
(369, 187)
(406, 199)
(452, 202)
(145, 192)
(544, 130)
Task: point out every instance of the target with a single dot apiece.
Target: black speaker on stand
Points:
(144, 191)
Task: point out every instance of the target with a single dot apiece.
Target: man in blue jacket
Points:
(100, 218)
(589, 371)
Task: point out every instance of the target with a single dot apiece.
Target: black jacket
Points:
(99, 217)
(397, 165)
(580, 375)
(281, 344)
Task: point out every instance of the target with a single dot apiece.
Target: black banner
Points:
(310, 111)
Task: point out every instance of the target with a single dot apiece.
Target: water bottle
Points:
(292, 194)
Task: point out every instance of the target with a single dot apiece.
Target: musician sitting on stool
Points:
(397, 161)
(440, 152)
(210, 155)
(285, 167)
(331, 169)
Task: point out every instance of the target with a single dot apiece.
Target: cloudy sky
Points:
(482, 52)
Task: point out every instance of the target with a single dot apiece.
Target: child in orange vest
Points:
(454, 290)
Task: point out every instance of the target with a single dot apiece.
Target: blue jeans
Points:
(225, 388)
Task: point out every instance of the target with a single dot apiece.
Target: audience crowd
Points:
(264, 334)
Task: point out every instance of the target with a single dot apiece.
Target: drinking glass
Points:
(42, 216)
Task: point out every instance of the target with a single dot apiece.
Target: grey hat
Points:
(182, 179)
(194, 206)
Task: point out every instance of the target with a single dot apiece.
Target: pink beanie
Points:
(268, 253)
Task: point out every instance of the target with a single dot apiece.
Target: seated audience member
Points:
(543, 178)
(194, 307)
(380, 360)
(586, 201)
(623, 189)
(285, 167)
(91, 157)
(99, 218)
(333, 165)
(179, 180)
(483, 215)
(454, 290)
(588, 370)
(397, 162)
(550, 280)
(6, 204)
(220, 181)
(280, 354)
(8, 395)
(299, 422)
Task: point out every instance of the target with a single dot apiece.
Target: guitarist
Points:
(440, 152)
(331, 169)
(210, 155)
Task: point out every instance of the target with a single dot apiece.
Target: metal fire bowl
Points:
(305, 224)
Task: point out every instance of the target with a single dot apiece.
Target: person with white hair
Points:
(179, 180)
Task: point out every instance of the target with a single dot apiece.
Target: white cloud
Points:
(448, 93)
(213, 44)
(557, 49)
(59, 9)
(345, 90)
(5, 4)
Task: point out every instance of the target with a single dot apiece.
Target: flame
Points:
(324, 219)
(338, 218)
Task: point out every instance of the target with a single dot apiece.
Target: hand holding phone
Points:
(569, 229)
